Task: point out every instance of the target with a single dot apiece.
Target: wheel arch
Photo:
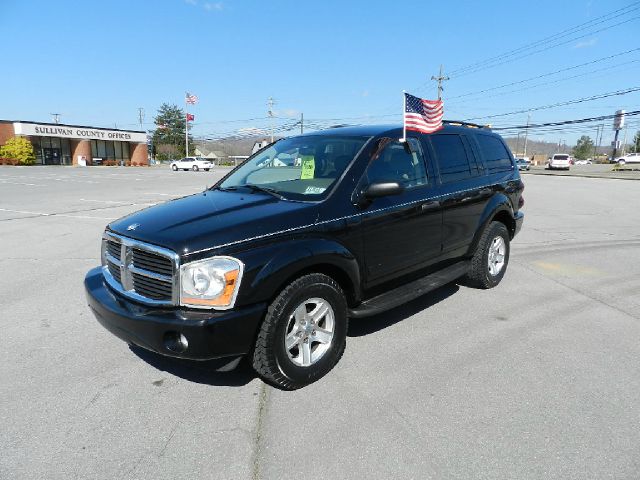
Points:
(294, 259)
(500, 210)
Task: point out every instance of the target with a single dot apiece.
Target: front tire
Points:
(303, 335)
(489, 262)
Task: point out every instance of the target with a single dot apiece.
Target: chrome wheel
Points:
(309, 332)
(495, 258)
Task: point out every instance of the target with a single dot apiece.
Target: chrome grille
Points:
(152, 262)
(113, 248)
(141, 271)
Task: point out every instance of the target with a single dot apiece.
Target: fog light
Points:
(176, 342)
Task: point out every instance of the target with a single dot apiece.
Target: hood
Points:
(213, 218)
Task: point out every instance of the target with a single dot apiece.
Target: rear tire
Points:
(490, 260)
(303, 335)
(174, 168)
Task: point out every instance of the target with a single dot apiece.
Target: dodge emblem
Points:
(133, 226)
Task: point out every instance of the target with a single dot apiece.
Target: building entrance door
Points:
(52, 156)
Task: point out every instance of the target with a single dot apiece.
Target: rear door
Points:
(463, 190)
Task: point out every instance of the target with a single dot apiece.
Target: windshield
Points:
(298, 168)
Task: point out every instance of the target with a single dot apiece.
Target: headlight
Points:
(210, 283)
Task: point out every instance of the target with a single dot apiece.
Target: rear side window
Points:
(495, 154)
(452, 158)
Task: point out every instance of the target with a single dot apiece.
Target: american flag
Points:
(191, 99)
(190, 117)
(422, 115)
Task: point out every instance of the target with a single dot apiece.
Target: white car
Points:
(191, 163)
(583, 162)
(628, 158)
(560, 160)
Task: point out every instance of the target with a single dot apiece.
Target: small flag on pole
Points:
(422, 115)
(190, 117)
(191, 99)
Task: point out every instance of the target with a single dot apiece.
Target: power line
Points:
(495, 61)
(519, 82)
(560, 104)
(566, 122)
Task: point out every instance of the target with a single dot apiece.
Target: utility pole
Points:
(271, 103)
(624, 141)
(440, 78)
(595, 143)
(140, 116)
(56, 118)
(600, 138)
(526, 132)
(301, 123)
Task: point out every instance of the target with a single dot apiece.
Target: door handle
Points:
(429, 206)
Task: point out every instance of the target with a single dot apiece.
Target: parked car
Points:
(560, 161)
(523, 164)
(583, 162)
(628, 158)
(191, 163)
(274, 259)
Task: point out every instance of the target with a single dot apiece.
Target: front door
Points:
(52, 156)
(401, 233)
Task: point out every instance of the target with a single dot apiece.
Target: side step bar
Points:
(409, 291)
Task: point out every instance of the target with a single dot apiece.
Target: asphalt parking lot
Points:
(537, 378)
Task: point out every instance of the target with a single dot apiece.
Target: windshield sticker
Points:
(314, 190)
(308, 167)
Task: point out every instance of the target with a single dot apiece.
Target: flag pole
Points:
(404, 124)
(186, 124)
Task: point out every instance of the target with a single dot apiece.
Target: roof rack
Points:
(464, 124)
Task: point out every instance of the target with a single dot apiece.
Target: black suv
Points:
(272, 261)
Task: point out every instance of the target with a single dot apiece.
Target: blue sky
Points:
(335, 61)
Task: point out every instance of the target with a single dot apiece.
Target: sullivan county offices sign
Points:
(82, 133)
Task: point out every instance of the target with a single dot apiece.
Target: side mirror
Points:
(383, 189)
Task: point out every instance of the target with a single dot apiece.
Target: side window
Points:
(395, 164)
(452, 158)
(494, 153)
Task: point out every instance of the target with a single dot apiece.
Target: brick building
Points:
(58, 144)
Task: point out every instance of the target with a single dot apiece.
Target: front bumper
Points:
(208, 334)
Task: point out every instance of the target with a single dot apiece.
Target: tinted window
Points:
(452, 158)
(494, 153)
(396, 164)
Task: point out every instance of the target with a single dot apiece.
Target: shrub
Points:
(20, 150)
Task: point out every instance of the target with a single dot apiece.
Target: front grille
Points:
(152, 262)
(151, 287)
(114, 270)
(113, 248)
(141, 271)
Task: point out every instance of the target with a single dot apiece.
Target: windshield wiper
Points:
(260, 188)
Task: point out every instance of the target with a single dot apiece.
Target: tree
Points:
(20, 149)
(584, 148)
(170, 129)
(635, 147)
